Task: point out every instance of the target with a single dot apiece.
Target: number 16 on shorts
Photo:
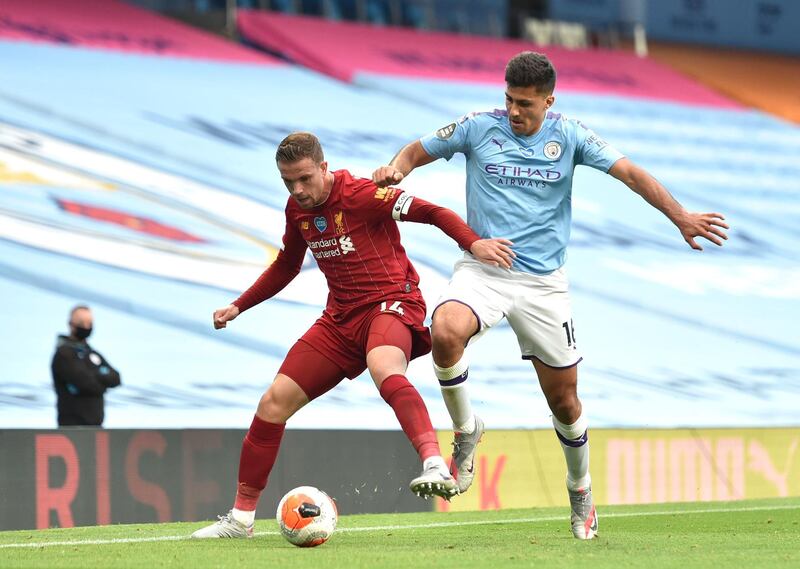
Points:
(569, 330)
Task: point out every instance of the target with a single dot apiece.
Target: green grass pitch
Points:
(749, 534)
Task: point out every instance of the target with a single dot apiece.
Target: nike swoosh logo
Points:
(592, 522)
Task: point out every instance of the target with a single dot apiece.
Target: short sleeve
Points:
(591, 150)
(449, 139)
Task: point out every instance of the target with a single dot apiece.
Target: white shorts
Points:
(537, 308)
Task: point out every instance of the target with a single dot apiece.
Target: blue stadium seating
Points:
(155, 149)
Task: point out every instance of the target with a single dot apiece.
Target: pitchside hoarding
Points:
(87, 476)
(524, 469)
(80, 477)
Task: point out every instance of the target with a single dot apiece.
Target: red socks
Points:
(259, 451)
(263, 439)
(412, 414)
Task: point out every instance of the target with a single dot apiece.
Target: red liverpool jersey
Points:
(355, 240)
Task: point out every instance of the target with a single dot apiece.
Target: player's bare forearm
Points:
(707, 225)
(411, 156)
(653, 192)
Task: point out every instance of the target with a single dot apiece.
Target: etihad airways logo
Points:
(522, 172)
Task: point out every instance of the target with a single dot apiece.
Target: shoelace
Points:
(583, 503)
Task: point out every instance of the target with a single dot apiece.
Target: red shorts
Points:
(344, 343)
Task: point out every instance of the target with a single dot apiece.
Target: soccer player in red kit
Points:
(373, 318)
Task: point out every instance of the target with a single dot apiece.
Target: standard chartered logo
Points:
(346, 243)
(327, 248)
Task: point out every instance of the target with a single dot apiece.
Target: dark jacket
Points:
(80, 377)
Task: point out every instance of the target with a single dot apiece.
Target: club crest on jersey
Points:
(552, 150)
(304, 225)
(320, 223)
(446, 131)
(385, 194)
(338, 222)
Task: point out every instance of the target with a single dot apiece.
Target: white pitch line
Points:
(414, 526)
(558, 518)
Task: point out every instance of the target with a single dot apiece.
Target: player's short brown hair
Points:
(297, 146)
(531, 69)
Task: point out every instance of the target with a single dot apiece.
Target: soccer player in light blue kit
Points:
(519, 186)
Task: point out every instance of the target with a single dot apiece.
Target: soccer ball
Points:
(307, 516)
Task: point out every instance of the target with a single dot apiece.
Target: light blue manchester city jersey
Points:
(520, 187)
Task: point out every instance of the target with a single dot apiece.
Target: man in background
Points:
(80, 374)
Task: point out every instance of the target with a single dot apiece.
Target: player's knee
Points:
(565, 407)
(450, 330)
(448, 334)
(274, 408)
(380, 373)
(383, 361)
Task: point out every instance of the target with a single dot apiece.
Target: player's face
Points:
(527, 108)
(305, 181)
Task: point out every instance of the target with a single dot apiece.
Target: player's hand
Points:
(707, 225)
(495, 252)
(386, 176)
(224, 315)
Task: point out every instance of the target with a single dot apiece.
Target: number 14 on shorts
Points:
(394, 307)
(569, 330)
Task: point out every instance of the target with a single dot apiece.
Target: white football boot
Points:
(225, 526)
(434, 481)
(463, 464)
(584, 516)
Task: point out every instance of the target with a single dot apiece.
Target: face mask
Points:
(82, 333)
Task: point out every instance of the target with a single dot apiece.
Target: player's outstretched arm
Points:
(495, 252)
(224, 315)
(710, 226)
(279, 274)
(409, 157)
